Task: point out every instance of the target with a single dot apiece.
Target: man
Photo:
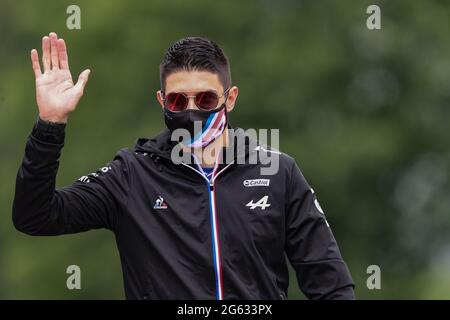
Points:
(210, 228)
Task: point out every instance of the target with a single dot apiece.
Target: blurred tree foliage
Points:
(364, 112)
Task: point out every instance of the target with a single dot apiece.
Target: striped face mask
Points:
(201, 127)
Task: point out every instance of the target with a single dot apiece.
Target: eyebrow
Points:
(195, 91)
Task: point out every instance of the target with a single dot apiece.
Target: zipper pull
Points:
(211, 186)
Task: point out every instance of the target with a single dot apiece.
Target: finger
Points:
(46, 53)
(35, 63)
(54, 50)
(82, 80)
(62, 54)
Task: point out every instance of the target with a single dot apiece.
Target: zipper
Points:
(214, 227)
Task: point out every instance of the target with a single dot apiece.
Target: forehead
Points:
(193, 81)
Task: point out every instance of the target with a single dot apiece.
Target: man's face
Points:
(192, 82)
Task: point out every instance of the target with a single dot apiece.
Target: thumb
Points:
(82, 80)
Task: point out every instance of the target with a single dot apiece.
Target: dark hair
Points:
(195, 53)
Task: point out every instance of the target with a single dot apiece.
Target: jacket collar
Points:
(240, 146)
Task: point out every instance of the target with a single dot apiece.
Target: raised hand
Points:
(56, 94)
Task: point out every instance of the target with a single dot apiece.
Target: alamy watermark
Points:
(374, 280)
(373, 22)
(248, 146)
(74, 19)
(73, 281)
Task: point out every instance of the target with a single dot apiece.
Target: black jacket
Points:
(181, 237)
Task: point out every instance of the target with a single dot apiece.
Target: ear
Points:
(232, 97)
(159, 97)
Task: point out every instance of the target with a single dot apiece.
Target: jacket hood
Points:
(160, 145)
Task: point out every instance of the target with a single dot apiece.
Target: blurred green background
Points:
(364, 112)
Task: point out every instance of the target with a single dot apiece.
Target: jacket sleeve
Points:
(92, 202)
(311, 247)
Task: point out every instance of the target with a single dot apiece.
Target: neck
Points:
(208, 155)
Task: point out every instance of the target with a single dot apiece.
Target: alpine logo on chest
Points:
(261, 203)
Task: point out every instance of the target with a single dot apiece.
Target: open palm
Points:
(56, 94)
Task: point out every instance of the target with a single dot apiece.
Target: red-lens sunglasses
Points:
(206, 100)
